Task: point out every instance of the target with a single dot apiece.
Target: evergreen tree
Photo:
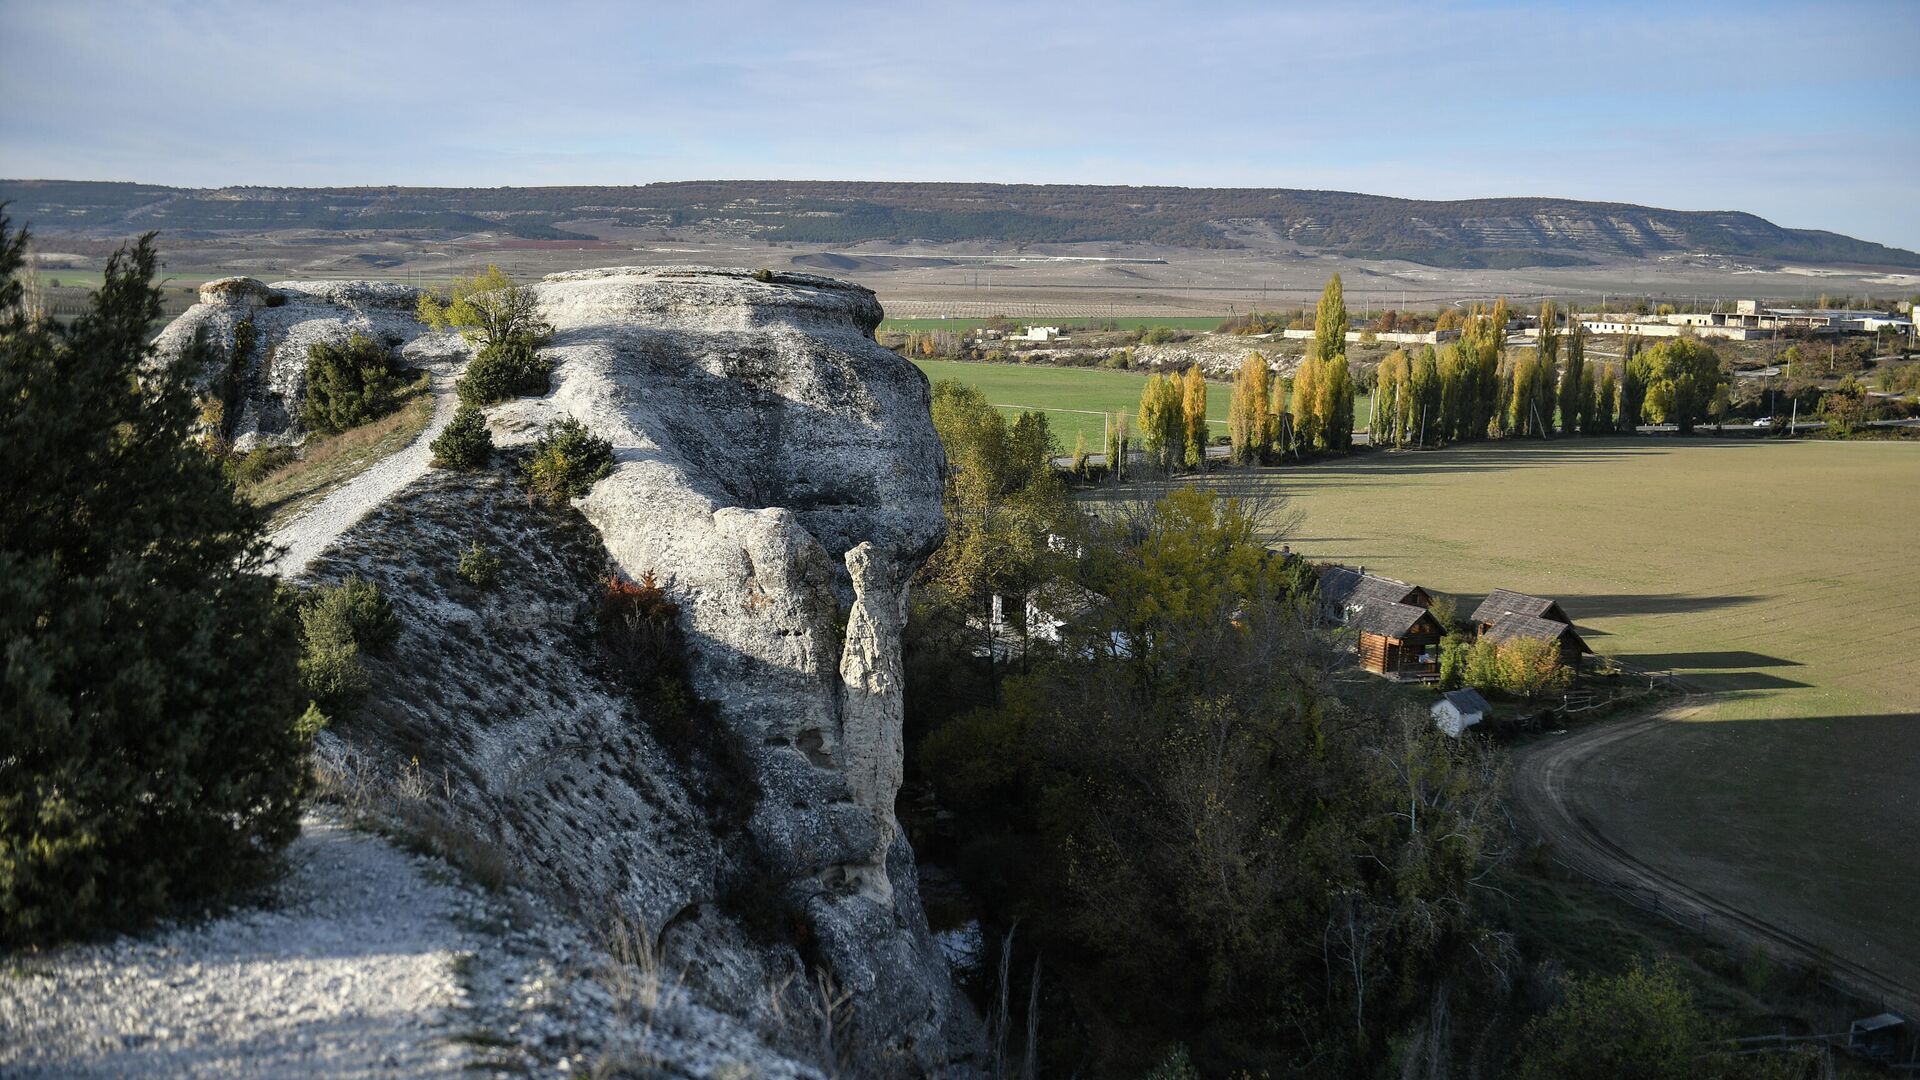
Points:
(153, 740)
(1193, 413)
(1248, 424)
(1576, 386)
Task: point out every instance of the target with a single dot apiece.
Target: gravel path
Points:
(309, 534)
(352, 969)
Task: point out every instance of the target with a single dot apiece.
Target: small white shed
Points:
(1458, 710)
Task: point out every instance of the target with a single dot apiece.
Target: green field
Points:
(1130, 322)
(1075, 399)
(1772, 573)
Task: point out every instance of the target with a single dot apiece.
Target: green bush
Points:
(479, 565)
(567, 461)
(349, 384)
(466, 444)
(338, 623)
(152, 749)
(257, 464)
(507, 369)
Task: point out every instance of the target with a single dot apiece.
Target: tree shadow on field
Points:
(1722, 659)
(1606, 605)
(1491, 457)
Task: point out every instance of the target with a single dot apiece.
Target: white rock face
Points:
(778, 473)
(269, 383)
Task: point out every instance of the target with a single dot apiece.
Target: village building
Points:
(1400, 640)
(1458, 710)
(1345, 590)
(1513, 627)
(1504, 602)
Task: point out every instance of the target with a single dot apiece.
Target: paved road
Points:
(1546, 772)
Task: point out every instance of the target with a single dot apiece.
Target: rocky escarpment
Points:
(257, 336)
(778, 475)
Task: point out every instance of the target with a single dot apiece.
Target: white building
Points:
(1458, 710)
(1041, 333)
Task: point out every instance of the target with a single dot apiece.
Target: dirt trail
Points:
(306, 536)
(1545, 775)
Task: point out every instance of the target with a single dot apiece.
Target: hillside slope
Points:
(1504, 232)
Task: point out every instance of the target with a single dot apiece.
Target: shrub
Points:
(337, 624)
(152, 752)
(466, 444)
(1642, 1023)
(763, 275)
(505, 369)
(567, 461)
(257, 464)
(480, 566)
(348, 384)
(640, 630)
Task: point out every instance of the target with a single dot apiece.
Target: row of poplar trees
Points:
(1464, 391)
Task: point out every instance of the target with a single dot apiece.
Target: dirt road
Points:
(1550, 804)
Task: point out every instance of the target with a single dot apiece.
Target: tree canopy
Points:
(154, 749)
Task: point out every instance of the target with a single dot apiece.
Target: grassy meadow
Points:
(1773, 573)
(1076, 399)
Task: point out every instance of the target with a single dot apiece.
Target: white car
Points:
(1765, 421)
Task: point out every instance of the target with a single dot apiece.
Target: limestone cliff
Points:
(778, 473)
(259, 335)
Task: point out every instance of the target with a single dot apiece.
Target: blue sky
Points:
(1808, 114)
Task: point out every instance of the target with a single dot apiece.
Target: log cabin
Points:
(1510, 627)
(1397, 639)
(1345, 590)
(1504, 602)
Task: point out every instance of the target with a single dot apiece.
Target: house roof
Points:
(1467, 700)
(1389, 619)
(1507, 602)
(1508, 627)
(1343, 586)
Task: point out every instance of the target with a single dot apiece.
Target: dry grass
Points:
(328, 461)
(414, 810)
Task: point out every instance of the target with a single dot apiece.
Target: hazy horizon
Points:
(1809, 122)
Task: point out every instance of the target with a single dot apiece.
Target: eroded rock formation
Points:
(778, 474)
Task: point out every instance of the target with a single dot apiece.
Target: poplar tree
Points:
(1162, 422)
(1424, 413)
(1193, 409)
(1386, 397)
(1631, 390)
(1521, 407)
(1546, 381)
(1576, 386)
(1330, 321)
(1603, 401)
(1248, 422)
(1306, 395)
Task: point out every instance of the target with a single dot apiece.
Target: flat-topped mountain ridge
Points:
(1476, 233)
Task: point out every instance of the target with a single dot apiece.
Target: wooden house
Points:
(1345, 590)
(1510, 627)
(1504, 602)
(1397, 639)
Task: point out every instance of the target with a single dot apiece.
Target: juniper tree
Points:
(154, 746)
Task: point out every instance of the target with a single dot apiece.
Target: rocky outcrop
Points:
(778, 474)
(258, 336)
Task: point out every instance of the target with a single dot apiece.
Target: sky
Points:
(1807, 114)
